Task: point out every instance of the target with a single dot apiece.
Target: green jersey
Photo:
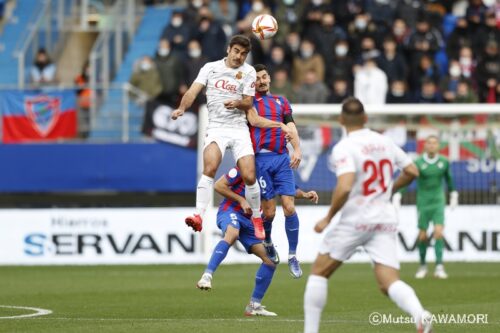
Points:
(430, 191)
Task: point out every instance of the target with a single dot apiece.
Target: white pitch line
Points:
(38, 312)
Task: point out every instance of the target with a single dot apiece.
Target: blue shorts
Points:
(275, 175)
(239, 221)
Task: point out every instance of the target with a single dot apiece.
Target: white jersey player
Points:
(364, 163)
(230, 87)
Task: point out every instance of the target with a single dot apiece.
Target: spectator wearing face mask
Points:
(401, 34)
(467, 62)
(398, 93)
(293, 44)
(210, 34)
(343, 63)
(361, 27)
(224, 11)
(326, 36)
(345, 11)
(288, 13)
(313, 90)
(391, 62)
(171, 72)
(449, 83)
(43, 70)
(460, 37)
(308, 60)
(370, 83)
(146, 78)
(178, 32)
(192, 65)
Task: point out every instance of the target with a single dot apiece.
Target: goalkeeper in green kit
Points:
(431, 201)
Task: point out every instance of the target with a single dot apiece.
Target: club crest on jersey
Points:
(440, 165)
(239, 75)
(278, 101)
(424, 166)
(43, 111)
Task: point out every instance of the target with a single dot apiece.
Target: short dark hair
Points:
(352, 106)
(241, 40)
(353, 112)
(260, 67)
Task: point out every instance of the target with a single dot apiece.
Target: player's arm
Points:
(245, 103)
(451, 188)
(223, 187)
(340, 194)
(257, 121)
(295, 142)
(407, 175)
(311, 195)
(187, 99)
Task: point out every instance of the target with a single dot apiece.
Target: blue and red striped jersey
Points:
(275, 108)
(235, 180)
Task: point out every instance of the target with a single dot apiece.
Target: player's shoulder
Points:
(443, 159)
(213, 64)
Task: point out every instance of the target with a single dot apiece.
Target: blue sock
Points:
(292, 232)
(218, 255)
(268, 226)
(262, 281)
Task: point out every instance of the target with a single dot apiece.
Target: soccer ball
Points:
(264, 26)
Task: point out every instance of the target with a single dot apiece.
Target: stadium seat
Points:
(145, 42)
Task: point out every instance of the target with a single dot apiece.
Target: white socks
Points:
(203, 194)
(404, 296)
(314, 302)
(252, 194)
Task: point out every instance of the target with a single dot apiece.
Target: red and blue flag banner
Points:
(38, 116)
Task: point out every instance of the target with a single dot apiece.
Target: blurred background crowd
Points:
(382, 51)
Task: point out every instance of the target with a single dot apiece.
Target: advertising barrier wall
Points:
(159, 236)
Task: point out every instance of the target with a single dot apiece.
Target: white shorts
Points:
(378, 240)
(238, 140)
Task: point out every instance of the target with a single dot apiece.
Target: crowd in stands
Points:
(382, 51)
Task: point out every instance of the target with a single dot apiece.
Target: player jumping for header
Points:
(434, 169)
(230, 87)
(233, 218)
(363, 162)
(275, 166)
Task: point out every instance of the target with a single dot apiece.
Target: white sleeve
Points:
(341, 160)
(249, 83)
(203, 74)
(401, 159)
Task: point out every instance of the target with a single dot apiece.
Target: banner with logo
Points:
(159, 236)
(38, 116)
(159, 125)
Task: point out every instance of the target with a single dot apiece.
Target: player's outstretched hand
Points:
(453, 200)
(176, 114)
(246, 207)
(321, 225)
(232, 104)
(312, 196)
(295, 159)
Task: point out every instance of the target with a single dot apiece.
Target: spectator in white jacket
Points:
(370, 83)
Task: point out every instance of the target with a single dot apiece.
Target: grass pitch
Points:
(164, 299)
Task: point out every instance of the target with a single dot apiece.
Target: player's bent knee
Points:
(289, 210)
